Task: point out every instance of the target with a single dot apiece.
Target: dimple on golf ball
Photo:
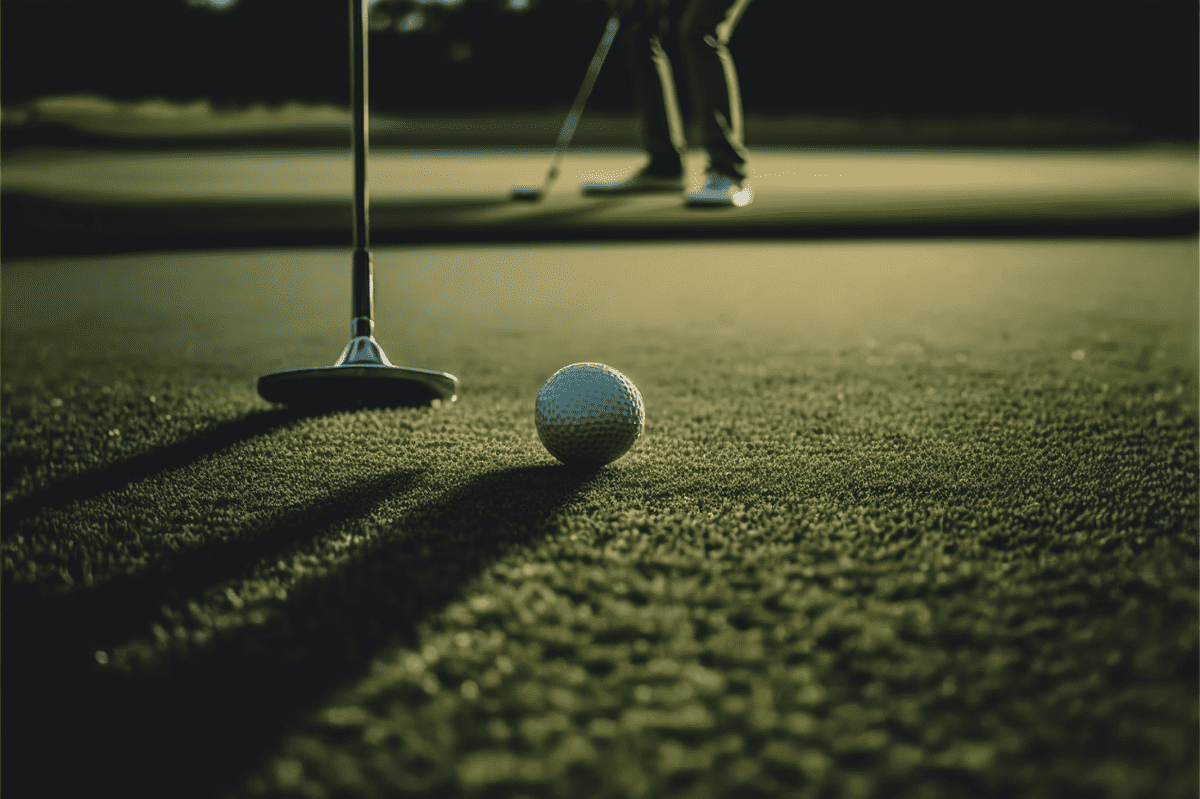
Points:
(589, 414)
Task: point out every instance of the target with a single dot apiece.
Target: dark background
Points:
(1130, 62)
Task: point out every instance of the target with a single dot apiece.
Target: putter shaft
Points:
(585, 90)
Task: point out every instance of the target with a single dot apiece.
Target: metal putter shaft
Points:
(535, 193)
(363, 375)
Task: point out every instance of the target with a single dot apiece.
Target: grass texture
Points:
(896, 568)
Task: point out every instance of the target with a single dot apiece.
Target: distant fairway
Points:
(909, 519)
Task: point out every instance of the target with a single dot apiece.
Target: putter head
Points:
(527, 193)
(363, 376)
(330, 387)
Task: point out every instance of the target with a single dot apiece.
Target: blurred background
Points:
(1055, 72)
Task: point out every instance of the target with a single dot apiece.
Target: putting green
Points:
(908, 519)
(61, 200)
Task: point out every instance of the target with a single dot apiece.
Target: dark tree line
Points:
(1132, 60)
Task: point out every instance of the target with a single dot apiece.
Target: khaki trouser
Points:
(704, 28)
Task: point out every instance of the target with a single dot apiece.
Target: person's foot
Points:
(642, 182)
(720, 191)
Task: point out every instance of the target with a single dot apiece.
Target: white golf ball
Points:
(589, 414)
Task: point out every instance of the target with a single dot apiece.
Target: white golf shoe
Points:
(720, 191)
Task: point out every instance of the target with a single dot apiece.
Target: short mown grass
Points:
(892, 571)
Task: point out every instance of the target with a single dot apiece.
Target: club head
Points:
(362, 385)
(362, 376)
(527, 193)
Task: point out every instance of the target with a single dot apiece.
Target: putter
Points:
(535, 193)
(363, 375)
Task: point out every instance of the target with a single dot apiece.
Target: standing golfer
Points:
(704, 30)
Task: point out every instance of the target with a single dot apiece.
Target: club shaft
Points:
(362, 302)
(359, 110)
(589, 80)
(585, 90)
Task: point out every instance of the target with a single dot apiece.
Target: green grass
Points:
(902, 568)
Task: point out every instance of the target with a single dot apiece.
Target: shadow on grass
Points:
(203, 716)
(140, 467)
(541, 215)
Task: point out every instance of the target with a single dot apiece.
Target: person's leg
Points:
(704, 32)
(654, 89)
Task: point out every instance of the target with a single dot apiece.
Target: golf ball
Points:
(589, 414)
